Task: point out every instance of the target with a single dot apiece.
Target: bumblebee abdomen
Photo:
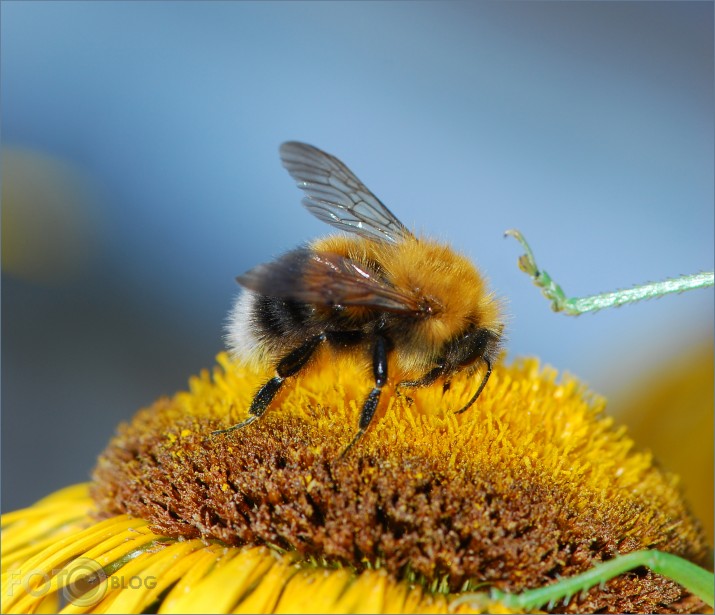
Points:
(261, 328)
(281, 318)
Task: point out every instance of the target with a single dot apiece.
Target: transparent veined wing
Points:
(334, 195)
(328, 279)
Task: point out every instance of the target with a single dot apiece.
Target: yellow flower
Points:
(531, 484)
(672, 413)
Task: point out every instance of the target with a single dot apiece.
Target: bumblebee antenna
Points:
(481, 387)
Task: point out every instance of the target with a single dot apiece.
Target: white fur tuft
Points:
(241, 336)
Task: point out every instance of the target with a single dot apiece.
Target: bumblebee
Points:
(379, 291)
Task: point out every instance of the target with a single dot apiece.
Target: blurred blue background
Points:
(141, 175)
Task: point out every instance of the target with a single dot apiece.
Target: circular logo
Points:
(86, 583)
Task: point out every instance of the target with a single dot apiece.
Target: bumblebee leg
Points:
(425, 380)
(379, 370)
(289, 365)
(480, 389)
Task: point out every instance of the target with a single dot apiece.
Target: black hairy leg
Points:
(288, 366)
(379, 370)
(426, 380)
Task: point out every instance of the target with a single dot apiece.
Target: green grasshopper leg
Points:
(579, 305)
(695, 579)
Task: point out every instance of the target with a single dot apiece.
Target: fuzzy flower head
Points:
(533, 483)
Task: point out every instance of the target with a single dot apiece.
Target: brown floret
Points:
(449, 515)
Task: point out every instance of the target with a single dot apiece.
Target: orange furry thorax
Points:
(433, 271)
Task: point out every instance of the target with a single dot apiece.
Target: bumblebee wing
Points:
(336, 196)
(327, 279)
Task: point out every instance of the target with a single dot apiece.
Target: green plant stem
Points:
(695, 579)
(580, 305)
